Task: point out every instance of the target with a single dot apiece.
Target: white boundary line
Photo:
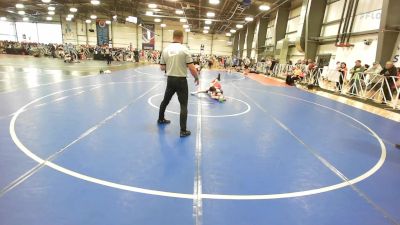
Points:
(208, 116)
(61, 169)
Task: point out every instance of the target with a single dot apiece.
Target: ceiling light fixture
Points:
(205, 31)
(187, 30)
(21, 12)
(239, 26)
(3, 18)
(163, 25)
(108, 22)
(206, 28)
(208, 22)
(46, 1)
(88, 21)
(95, 2)
(228, 34)
(185, 26)
(73, 10)
(51, 8)
(70, 15)
(157, 20)
(264, 7)
(183, 20)
(19, 6)
(232, 31)
(149, 13)
(49, 18)
(51, 13)
(25, 19)
(179, 12)
(249, 19)
(93, 17)
(152, 6)
(210, 14)
(68, 18)
(213, 2)
(115, 17)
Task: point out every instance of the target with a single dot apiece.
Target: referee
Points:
(175, 60)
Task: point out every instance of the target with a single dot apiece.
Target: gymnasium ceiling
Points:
(228, 13)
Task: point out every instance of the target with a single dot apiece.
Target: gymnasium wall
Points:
(127, 34)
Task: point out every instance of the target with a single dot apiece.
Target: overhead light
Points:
(21, 12)
(206, 28)
(185, 26)
(213, 2)
(88, 21)
(95, 2)
(187, 30)
(205, 31)
(115, 17)
(157, 20)
(73, 10)
(179, 12)
(208, 22)
(239, 26)
(49, 18)
(51, 8)
(25, 19)
(108, 22)
(163, 25)
(152, 6)
(68, 18)
(228, 34)
(19, 6)
(249, 19)
(183, 20)
(264, 7)
(70, 15)
(93, 17)
(46, 1)
(232, 31)
(149, 13)
(210, 14)
(51, 13)
(10, 11)
(3, 18)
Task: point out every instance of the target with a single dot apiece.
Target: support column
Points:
(314, 21)
(235, 45)
(212, 43)
(387, 38)
(242, 37)
(250, 37)
(282, 17)
(262, 36)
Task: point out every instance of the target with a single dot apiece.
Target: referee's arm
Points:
(192, 68)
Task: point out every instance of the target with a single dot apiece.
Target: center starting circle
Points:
(247, 107)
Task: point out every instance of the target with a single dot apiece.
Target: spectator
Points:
(356, 76)
(390, 73)
(342, 75)
(372, 75)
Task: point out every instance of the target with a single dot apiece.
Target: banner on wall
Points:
(102, 32)
(396, 53)
(148, 37)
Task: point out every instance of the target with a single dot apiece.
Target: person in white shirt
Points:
(175, 60)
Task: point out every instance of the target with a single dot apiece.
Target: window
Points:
(7, 31)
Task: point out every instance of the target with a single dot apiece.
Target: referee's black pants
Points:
(176, 85)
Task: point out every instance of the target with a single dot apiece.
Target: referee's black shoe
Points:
(397, 146)
(185, 133)
(163, 121)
